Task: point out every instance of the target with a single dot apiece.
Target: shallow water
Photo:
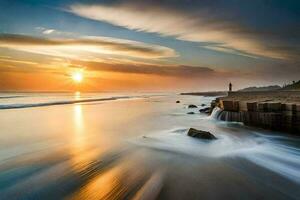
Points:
(136, 148)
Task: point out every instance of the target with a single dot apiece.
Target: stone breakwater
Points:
(278, 111)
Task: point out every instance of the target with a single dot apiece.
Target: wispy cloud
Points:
(191, 25)
(229, 50)
(184, 71)
(9, 60)
(51, 31)
(86, 48)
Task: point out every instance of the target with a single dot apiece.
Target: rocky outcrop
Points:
(200, 134)
(206, 94)
(205, 110)
(190, 113)
(192, 106)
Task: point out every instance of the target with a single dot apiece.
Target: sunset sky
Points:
(139, 45)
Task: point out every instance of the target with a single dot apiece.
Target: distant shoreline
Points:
(207, 94)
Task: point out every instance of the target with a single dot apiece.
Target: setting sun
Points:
(77, 77)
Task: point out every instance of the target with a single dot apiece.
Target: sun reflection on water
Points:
(104, 186)
(80, 151)
(77, 95)
(78, 119)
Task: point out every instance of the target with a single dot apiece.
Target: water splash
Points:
(216, 113)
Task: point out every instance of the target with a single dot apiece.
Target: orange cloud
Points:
(87, 48)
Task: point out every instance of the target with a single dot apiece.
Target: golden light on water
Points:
(77, 95)
(78, 121)
(81, 156)
(102, 186)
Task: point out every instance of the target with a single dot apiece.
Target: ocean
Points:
(134, 146)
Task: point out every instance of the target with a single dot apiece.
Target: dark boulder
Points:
(204, 110)
(177, 101)
(200, 134)
(192, 106)
(203, 105)
(190, 113)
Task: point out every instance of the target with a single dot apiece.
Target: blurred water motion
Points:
(138, 149)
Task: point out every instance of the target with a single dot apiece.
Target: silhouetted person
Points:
(230, 87)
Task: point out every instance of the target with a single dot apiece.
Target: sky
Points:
(148, 45)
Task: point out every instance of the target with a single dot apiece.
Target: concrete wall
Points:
(268, 115)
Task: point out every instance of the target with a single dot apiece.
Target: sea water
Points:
(134, 146)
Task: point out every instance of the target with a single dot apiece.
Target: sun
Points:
(77, 77)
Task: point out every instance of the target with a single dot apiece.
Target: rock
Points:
(204, 110)
(177, 101)
(231, 106)
(252, 106)
(192, 106)
(243, 106)
(200, 134)
(274, 107)
(214, 103)
(262, 107)
(190, 113)
(207, 112)
(203, 105)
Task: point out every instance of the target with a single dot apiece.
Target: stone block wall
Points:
(269, 115)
